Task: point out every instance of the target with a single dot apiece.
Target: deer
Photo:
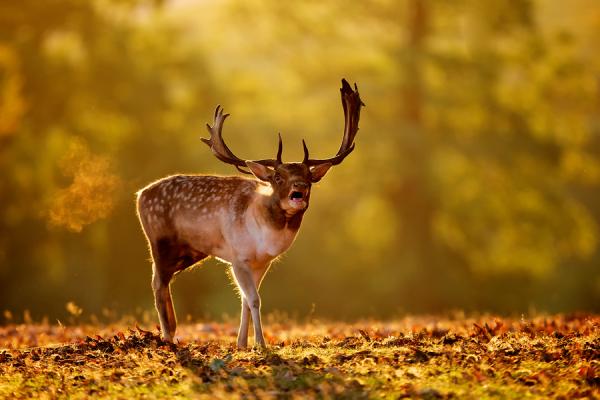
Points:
(246, 222)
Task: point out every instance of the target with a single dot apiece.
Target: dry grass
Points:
(417, 357)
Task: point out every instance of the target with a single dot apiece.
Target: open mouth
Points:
(297, 199)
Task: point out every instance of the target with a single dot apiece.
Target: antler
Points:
(352, 103)
(277, 161)
(223, 153)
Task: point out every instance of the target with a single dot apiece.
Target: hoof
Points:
(260, 348)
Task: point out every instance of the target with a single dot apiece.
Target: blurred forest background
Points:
(475, 183)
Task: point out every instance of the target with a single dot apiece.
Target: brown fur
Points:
(187, 218)
(245, 222)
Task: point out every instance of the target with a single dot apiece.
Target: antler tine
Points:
(351, 104)
(218, 146)
(279, 149)
(273, 162)
(305, 152)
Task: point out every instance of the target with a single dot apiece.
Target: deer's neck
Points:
(277, 217)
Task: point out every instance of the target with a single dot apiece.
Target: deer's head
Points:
(290, 182)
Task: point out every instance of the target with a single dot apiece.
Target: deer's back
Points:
(193, 208)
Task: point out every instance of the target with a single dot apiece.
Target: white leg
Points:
(244, 278)
(242, 339)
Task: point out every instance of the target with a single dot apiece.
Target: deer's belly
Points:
(204, 236)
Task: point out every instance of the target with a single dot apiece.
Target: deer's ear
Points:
(319, 171)
(260, 171)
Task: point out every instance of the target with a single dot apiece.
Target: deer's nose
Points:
(300, 185)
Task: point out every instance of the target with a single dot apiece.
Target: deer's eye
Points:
(277, 179)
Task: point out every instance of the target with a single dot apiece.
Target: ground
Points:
(414, 357)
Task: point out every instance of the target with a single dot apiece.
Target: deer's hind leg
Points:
(163, 302)
(170, 257)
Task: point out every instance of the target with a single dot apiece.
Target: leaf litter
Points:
(415, 357)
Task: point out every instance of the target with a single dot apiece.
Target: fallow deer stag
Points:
(245, 222)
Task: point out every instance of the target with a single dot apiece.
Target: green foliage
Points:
(476, 168)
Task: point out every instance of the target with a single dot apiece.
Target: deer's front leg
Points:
(242, 339)
(245, 280)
